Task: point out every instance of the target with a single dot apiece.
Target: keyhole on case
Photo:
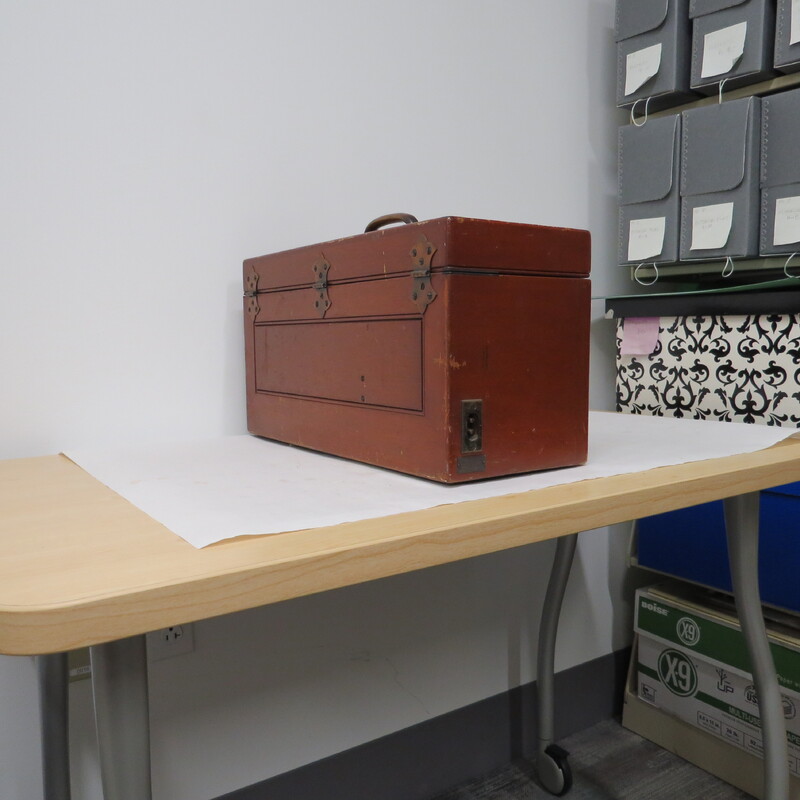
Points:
(471, 427)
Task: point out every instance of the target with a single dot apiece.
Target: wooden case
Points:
(453, 349)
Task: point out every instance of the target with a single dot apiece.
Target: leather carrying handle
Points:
(388, 219)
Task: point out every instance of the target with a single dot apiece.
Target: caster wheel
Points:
(552, 769)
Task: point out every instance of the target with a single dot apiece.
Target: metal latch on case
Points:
(422, 291)
(251, 292)
(471, 426)
(320, 286)
(471, 460)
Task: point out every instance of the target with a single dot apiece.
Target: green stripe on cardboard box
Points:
(738, 713)
(643, 669)
(721, 705)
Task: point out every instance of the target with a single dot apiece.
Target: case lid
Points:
(715, 146)
(647, 160)
(699, 8)
(780, 128)
(635, 17)
(456, 243)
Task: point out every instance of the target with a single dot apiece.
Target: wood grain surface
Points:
(80, 565)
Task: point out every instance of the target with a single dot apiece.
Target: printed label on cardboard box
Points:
(693, 664)
(718, 640)
(721, 703)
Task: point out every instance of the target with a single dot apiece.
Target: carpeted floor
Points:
(608, 763)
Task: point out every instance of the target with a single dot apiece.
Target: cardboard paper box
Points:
(693, 664)
(690, 689)
(694, 744)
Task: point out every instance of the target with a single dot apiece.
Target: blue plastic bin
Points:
(691, 544)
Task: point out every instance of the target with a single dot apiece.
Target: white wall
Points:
(147, 148)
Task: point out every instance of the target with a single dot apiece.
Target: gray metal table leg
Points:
(552, 767)
(119, 683)
(741, 522)
(54, 713)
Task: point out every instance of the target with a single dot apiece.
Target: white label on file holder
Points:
(794, 28)
(722, 49)
(646, 238)
(711, 226)
(787, 221)
(641, 66)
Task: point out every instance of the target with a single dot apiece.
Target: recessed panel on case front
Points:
(367, 362)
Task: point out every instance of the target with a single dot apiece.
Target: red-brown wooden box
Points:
(452, 349)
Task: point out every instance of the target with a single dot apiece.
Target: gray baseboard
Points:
(427, 759)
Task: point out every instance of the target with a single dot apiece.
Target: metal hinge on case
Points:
(320, 285)
(422, 291)
(250, 292)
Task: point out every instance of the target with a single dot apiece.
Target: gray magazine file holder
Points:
(780, 164)
(648, 183)
(641, 24)
(756, 63)
(787, 55)
(720, 164)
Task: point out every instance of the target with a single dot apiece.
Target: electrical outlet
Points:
(176, 640)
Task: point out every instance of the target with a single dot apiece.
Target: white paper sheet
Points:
(711, 226)
(641, 66)
(787, 221)
(210, 490)
(722, 49)
(646, 238)
(794, 29)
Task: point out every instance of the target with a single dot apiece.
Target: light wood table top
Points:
(79, 565)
